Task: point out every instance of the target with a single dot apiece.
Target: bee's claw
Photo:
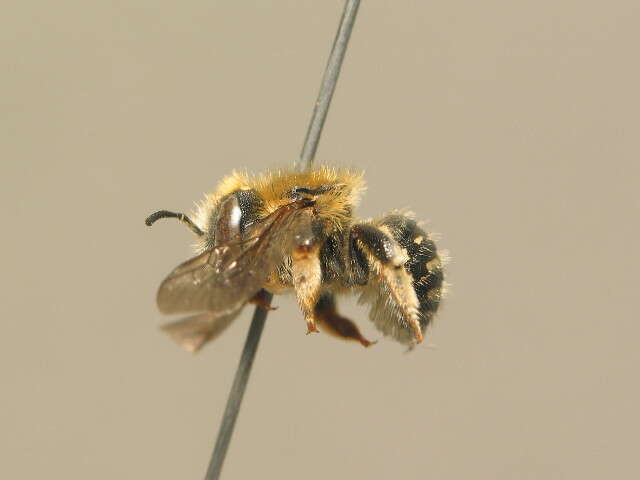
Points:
(260, 299)
(312, 328)
(367, 343)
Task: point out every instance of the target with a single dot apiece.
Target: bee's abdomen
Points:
(424, 264)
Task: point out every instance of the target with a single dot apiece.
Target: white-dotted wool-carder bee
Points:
(288, 230)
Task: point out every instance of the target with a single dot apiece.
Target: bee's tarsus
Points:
(311, 327)
(262, 299)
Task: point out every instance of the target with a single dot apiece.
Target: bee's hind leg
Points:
(388, 259)
(332, 322)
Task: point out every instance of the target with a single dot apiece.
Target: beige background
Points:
(511, 126)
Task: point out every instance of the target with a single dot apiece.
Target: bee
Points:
(286, 231)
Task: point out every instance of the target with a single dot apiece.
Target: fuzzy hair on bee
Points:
(289, 231)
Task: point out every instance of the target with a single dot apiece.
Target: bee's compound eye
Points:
(235, 215)
(228, 219)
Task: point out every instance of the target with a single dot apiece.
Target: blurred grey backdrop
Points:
(511, 126)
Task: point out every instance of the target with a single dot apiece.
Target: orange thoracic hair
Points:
(335, 205)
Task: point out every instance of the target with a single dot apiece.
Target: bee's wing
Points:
(193, 332)
(222, 279)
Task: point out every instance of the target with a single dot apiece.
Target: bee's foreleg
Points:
(332, 322)
(307, 280)
(151, 219)
(387, 260)
(262, 300)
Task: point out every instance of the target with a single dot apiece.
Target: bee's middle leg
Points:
(334, 323)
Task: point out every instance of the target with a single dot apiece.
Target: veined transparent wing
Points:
(222, 279)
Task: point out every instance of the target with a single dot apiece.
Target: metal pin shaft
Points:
(329, 80)
(328, 85)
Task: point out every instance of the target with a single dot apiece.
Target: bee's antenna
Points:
(327, 87)
(151, 219)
